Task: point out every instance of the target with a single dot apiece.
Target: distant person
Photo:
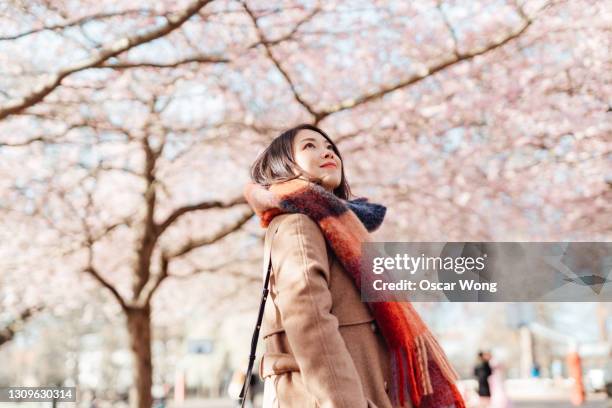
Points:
(535, 370)
(482, 371)
(94, 401)
(499, 398)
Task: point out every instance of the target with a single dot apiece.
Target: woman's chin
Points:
(330, 185)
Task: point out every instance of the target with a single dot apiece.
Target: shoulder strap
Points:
(255, 338)
(247, 379)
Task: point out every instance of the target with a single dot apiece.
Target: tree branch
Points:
(289, 35)
(200, 59)
(89, 247)
(8, 331)
(105, 53)
(77, 22)
(205, 205)
(193, 244)
(44, 139)
(450, 28)
(94, 272)
(425, 73)
(267, 45)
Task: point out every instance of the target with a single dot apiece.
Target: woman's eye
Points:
(308, 144)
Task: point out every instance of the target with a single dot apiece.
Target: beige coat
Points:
(322, 346)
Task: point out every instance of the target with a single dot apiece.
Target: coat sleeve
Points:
(301, 278)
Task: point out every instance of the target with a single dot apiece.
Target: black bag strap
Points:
(255, 338)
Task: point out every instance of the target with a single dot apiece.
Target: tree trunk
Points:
(139, 329)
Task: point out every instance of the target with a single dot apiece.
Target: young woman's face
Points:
(315, 154)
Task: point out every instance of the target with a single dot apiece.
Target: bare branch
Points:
(105, 53)
(44, 139)
(426, 72)
(94, 272)
(193, 244)
(268, 47)
(151, 286)
(8, 331)
(146, 292)
(450, 28)
(291, 34)
(89, 247)
(77, 22)
(200, 59)
(25, 142)
(249, 276)
(205, 205)
(197, 271)
(127, 222)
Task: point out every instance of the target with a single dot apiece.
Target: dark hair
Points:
(276, 164)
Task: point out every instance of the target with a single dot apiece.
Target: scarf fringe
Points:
(411, 368)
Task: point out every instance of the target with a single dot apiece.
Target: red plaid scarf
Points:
(419, 365)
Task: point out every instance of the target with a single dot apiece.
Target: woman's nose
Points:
(327, 154)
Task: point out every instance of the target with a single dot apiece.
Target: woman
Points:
(323, 346)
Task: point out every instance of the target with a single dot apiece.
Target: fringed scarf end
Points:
(412, 367)
(406, 377)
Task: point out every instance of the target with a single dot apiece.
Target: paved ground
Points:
(559, 404)
(596, 402)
